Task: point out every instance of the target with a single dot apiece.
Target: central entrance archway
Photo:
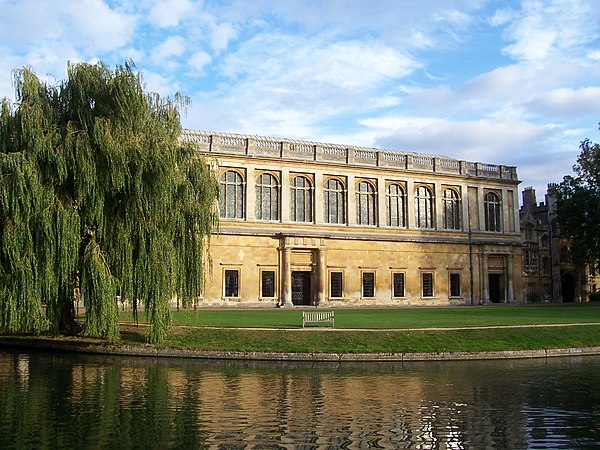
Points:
(496, 291)
(567, 281)
(301, 287)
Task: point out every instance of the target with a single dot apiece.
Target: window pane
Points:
(334, 204)
(424, 207)
(398, 285)
(268, 283)
(427, 284)
(368, 284)
(231, 283)
(336, 284)
(454, 285)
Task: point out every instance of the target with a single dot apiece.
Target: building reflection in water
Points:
(175, 403)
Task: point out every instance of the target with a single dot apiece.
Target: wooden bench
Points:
(318, 317)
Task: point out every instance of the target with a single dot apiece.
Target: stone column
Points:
(486, 279)
(250, 194)
(438, 213)
(318, 198)
(509, 274)
(285, 195)
(351, 200)
(286, 276)
(321, 277)
(381, 203)
(410, 204)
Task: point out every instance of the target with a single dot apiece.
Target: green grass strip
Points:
(384, 341)
(392, 318)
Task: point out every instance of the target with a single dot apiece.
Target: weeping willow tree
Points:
(98, 194)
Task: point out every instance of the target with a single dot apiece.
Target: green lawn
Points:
(382, 330)
(393, 318)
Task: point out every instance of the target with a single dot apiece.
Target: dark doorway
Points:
(567, 282)
(495, 285)
(301, 288)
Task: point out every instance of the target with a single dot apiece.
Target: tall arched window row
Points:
(452, 213)
(231, 201)
(395, 205)
(493, 212)
(301, 199)
(267, 197)
(334, 202)
(365, 204)
(424, 207)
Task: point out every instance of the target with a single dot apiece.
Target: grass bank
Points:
(383, 330)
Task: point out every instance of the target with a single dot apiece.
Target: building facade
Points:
(549, 274)
(306, 223)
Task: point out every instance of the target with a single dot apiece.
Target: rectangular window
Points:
(427, 284)
(531, 260)
(231, 283)
(368, 284)
(267, 284)
(455, 285)
(336, 288)
(398, 284)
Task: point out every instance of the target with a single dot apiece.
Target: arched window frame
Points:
(334, 201)
(529, 233)
(301, 199)
(366, 203)
(267, 196)
(396, 205)
(546, 266)
(492, 205)
(424, 206)
(232, 195)
(452, 210)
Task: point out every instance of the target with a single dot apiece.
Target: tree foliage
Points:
(98, 193)
(578, 205)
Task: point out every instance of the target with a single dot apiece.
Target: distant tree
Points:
(578, 205)
(98, 193)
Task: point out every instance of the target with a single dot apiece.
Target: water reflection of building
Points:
(548, 270)
(307, 223)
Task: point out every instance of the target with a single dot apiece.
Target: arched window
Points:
(231, 201)
(545, 241)
(267, 197)
(396, 205)
(424, 207)
(546, 265)
(334, 202)
(301, 199)
(365, 204)
(451, 202)
(529, 233)
(493, 212)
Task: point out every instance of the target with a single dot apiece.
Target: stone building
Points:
(549, 274)
(307, 223)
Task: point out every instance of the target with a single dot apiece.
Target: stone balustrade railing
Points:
(238, 144)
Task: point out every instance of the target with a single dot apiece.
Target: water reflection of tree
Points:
(57, 401)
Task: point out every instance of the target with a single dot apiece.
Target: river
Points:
(55, 401)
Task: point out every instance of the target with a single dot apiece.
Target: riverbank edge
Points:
(57, 345)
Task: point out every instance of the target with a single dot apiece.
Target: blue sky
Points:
(504, 82)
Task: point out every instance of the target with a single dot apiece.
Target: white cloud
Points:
(484, 140)
(568, 102)
(172, 46)
(169, 13)
(221, 35)
(160, 84)
(199, 60)
(543, 28)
